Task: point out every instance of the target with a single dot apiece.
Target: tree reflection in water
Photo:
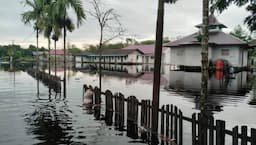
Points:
(50, 122)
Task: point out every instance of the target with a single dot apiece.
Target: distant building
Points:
(187, 51)
(112, 56)
(60, 55)
(42, 55)
(148, 56)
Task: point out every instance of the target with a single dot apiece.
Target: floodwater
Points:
(50, 118)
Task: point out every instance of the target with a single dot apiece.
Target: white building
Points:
(187, 51)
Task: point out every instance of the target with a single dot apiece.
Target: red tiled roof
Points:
(58, 52)
(146, 49)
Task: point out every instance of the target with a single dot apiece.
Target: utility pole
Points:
(157, 69)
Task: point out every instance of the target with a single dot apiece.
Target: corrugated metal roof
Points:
(216, 38)
(253, 43)
(146, 49)
(213, 22)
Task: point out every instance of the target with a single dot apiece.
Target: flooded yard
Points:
(51, 118)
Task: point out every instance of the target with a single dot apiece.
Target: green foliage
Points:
(74, 50)
(221, 5)
(241, 33)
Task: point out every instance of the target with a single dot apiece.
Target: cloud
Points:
(137, 16)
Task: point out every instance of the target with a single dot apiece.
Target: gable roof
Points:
(215, 38)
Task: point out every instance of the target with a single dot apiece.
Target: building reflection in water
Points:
(222, 87)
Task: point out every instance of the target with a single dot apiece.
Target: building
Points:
(60, 55)
(187, 51)
(149, 53)
(112, 56)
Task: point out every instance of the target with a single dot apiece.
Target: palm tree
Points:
(251, 20)
(61, 15)
(35, 16)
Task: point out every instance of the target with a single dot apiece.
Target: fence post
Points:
(244, 135)
(109, 108)
(167, 122)
(162, 122)
(194, 140)
(132, 117)
(211, 130)
(171, 121)
(235, 136)
(176, 124)
(180, 128)
(253, 136)
(220, 132)
(97, 107)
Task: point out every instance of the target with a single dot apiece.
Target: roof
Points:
(253, 43)
(146, 49)
(58, 52)
(119, 51)
(213, 22)
(215, 38)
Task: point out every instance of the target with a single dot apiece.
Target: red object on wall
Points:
(219, 75)
(219, 64)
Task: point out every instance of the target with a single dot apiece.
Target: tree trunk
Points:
(64, 79)
(55, 63)
(37, 61)
(100, 51)
(157, 69)
(205, 38)
(49, 56)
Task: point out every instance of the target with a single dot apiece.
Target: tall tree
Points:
(35, 16)
(108, 21)
(61, 8)
(157, 67)
(221, 5)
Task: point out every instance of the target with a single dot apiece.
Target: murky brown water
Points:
(52, 119)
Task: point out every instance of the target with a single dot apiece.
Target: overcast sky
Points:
(137, 16)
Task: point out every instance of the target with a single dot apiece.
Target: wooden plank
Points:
(180, 128)
(143, 113)
(194, 140)
(171, 121)
(211, 130)
(167, 122)
(176, 124)
(253, 136)
(162, 122)
(244, 135)
(235, 136)
(220, 132)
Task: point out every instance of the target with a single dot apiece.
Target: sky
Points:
(138, 17)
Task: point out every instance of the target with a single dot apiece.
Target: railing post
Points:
(253, 136)
(194, 140)
(235, 136)
(244, 135)
(220, 132)
(109, 108)
(180, 128)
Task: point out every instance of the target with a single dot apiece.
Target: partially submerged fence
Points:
(51, 81)
(205, 130)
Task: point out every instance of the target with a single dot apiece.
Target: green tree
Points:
(60, 13)
(221, 5)
(241, 33)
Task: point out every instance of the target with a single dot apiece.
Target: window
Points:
(224, 52)
(137, 57)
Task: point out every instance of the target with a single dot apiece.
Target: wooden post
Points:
(211, 130)
(253, 136)
(157, 70)
(180, 128)
(109, 108)
(162, 122)
(97, 104)
(176, 124)
(171, 121)
(220, 132)
(194, 140)
(132, 117)
(244, 135)
(167, 122)
(235, 136)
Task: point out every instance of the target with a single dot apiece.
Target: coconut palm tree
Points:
(35, 16)
(64, 21)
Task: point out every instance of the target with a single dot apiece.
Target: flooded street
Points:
(52, 119)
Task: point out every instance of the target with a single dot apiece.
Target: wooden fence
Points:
(51, 81)
(205, 130)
